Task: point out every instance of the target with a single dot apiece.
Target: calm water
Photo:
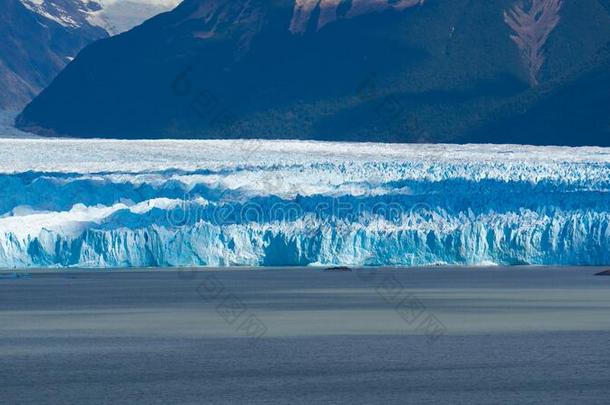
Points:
(536, 335)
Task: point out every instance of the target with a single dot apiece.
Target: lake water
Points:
(485, 335)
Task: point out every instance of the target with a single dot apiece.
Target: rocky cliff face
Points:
(35, 47)
(318, 13)
(374, 70)
(533, 27)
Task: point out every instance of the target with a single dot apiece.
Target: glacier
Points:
(114, 16)
(170, 203)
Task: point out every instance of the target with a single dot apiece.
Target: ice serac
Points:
(221, 203)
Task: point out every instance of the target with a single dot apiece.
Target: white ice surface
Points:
(104, 203)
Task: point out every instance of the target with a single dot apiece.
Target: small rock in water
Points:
(604, 273)
(338, 269)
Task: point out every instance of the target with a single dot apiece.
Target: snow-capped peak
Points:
(71, 14)
(115, 16)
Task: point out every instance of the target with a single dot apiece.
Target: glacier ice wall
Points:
(225, 203)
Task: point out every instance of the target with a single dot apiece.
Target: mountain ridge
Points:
(441, 72)
(40, 37)
(34, 49)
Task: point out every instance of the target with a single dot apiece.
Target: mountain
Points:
(35, 47)
(532, 71)
(39, 37)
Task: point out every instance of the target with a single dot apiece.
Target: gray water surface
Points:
(518, 335)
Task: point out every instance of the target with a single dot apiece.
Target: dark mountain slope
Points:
(575, 111)
(400, 71)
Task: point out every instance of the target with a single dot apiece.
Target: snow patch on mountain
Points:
(67, 13)
(118, 16)
(115, 16)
